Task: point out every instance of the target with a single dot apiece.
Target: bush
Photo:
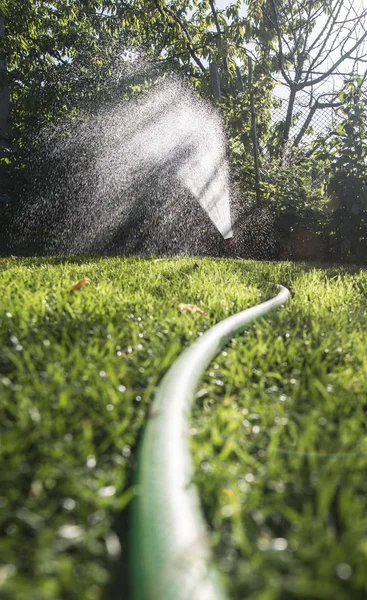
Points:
(345, 154)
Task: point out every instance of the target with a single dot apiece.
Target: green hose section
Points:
(171, 558)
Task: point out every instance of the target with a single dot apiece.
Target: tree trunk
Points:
(4, 96)
(240, 83)
(222, 46)
(302, 131)
(288, 120)
(254, 133)
(215, 81)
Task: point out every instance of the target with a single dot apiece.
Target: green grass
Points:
(279, 437)
(77, 376)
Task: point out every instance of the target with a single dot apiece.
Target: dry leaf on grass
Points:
(4, 260)
(229, 399)
(192, 309)
(81, 283)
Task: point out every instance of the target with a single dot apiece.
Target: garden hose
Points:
(171, 558)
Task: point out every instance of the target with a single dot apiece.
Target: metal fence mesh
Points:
(323, 120)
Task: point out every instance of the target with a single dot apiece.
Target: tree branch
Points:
(219, 31)
(336, 64)
(190, 45)
(280, 46)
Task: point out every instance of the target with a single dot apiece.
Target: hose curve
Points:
(171, 557)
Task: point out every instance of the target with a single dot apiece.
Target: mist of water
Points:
(147, 175)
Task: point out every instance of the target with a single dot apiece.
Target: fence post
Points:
(254, 132)
(214, 80)
(4, 95)
(241, 86)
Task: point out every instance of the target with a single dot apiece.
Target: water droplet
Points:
(343, 571)
(113, 545)
(7, 571)
(91, 462)
(34, 414)
(227, 510)
(279, 544)
(107, 491)
(70, 532)
(69, 504)
(126, 451)
(273, 389)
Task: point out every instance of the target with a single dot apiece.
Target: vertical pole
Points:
(240, 84)
(4, 95)
(215, 81)
(221, 43)
(254, 133)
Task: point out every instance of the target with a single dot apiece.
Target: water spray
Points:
(149, 175)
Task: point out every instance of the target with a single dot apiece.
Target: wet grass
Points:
(77, 376)
(78, 373)
(279, 437)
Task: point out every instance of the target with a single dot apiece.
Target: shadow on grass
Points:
(118, 586)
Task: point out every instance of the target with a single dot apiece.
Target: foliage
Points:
(307, 44)
(39, 38)
(42, 37)
(294, 193)
(345, 153)
(236, 112)
(66, 56)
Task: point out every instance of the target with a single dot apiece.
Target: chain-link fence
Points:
(322, 119)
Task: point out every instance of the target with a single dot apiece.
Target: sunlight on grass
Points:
(78, 374)
(280, 423)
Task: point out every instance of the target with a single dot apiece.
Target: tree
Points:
(4, 92)
(40, 38)
(310, 43)
(344, 153)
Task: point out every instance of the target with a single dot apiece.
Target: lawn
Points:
(77, 376)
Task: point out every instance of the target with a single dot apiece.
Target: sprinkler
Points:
(229, 242)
